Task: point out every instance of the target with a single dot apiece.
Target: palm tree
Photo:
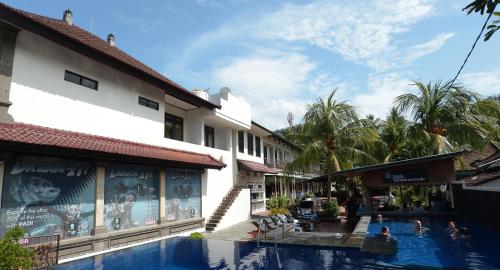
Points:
(336, 139)
(444, 116)
(394, 134)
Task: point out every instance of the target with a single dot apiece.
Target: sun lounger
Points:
(270, 223)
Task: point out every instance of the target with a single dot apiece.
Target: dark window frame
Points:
(257, 146)
(80, 79)
(176, 121)
(209, 130)
(241, 141)
(250, 143)
(149, 103)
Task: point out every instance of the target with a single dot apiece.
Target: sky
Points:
(281, 56)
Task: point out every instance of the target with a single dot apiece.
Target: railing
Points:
(276, 164)
(46, 249)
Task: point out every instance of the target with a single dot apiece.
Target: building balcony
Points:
(275, 164)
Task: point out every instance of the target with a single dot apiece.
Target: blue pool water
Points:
(436, 247)
(433, 249)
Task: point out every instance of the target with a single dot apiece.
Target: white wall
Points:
(41, 96)
(238, 212)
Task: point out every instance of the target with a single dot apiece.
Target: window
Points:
(173, 127)
(209, 136)
(79, 79)
(241, 142)
(265, 152)
(149, 103)
(257, 146)
(250, 143)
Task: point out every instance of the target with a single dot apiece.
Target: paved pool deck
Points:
(328, 234)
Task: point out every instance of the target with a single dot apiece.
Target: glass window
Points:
(174, 127)
(241, 142)
(149, 103)
(131, 196)
(48, 196)
(209, 136)
(257, 146)
(183, 194)
(79, 79)
(250, 143)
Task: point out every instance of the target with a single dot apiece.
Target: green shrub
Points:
(13, 255)
(280, 202)
(276, 211)
(331, 209)
(197, 235)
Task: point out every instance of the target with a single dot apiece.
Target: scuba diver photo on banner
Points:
(183, 194)
(48, 196)
(131, 196)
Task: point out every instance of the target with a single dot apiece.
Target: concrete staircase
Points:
(223, 207)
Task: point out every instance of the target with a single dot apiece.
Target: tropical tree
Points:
(394, 134)
(480, 6)
(336, 139)
(445, 117)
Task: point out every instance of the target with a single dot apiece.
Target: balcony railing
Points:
(275, 164)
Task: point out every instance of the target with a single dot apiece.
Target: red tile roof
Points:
(96, 48)
(256, 167)
(482, 178)
(31, 136)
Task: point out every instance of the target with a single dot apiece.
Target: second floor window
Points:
(209, 136)
(250, 143)
(241, 141)
(149, 103)
(173, 127)
(79, 79)
(257, 146)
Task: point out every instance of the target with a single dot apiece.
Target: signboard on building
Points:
(131, 196)
(48, 196)
(183, 194)
(401, 177)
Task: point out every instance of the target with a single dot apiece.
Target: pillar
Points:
(275, 187)
(163, 182)
(99, 199)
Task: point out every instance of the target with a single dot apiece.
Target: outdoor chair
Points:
(270, 223)
(262, 228)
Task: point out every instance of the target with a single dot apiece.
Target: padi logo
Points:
(49, 165)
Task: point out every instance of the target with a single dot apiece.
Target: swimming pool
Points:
(435, 249)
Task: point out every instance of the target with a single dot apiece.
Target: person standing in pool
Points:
(384, 232)
(418, 226)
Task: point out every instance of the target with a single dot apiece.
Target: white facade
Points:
(41, 96)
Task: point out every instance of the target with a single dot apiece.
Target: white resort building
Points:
(104, 151)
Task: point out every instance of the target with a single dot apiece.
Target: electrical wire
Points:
(472, 49)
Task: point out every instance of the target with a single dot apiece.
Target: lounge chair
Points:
(270, 223)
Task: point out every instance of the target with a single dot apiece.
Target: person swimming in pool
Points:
(452, 227)
(379, 218)
(384, 232)
(419, 227)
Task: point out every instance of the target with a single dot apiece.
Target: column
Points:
(99, 199)
(275, 187)
(163, 181)
(8, 35)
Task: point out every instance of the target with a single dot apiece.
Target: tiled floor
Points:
(326, 234)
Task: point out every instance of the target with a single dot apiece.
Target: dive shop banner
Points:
(183, 194)
(48, 196)
(131, 196)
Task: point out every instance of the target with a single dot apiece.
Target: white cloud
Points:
(383, 88)
(360, 31)
(416, 51)
(487, 83)
(271, 81)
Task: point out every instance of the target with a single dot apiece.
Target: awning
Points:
(255, 167)
(35, 139)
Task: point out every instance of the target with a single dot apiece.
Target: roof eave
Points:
(28, 24)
